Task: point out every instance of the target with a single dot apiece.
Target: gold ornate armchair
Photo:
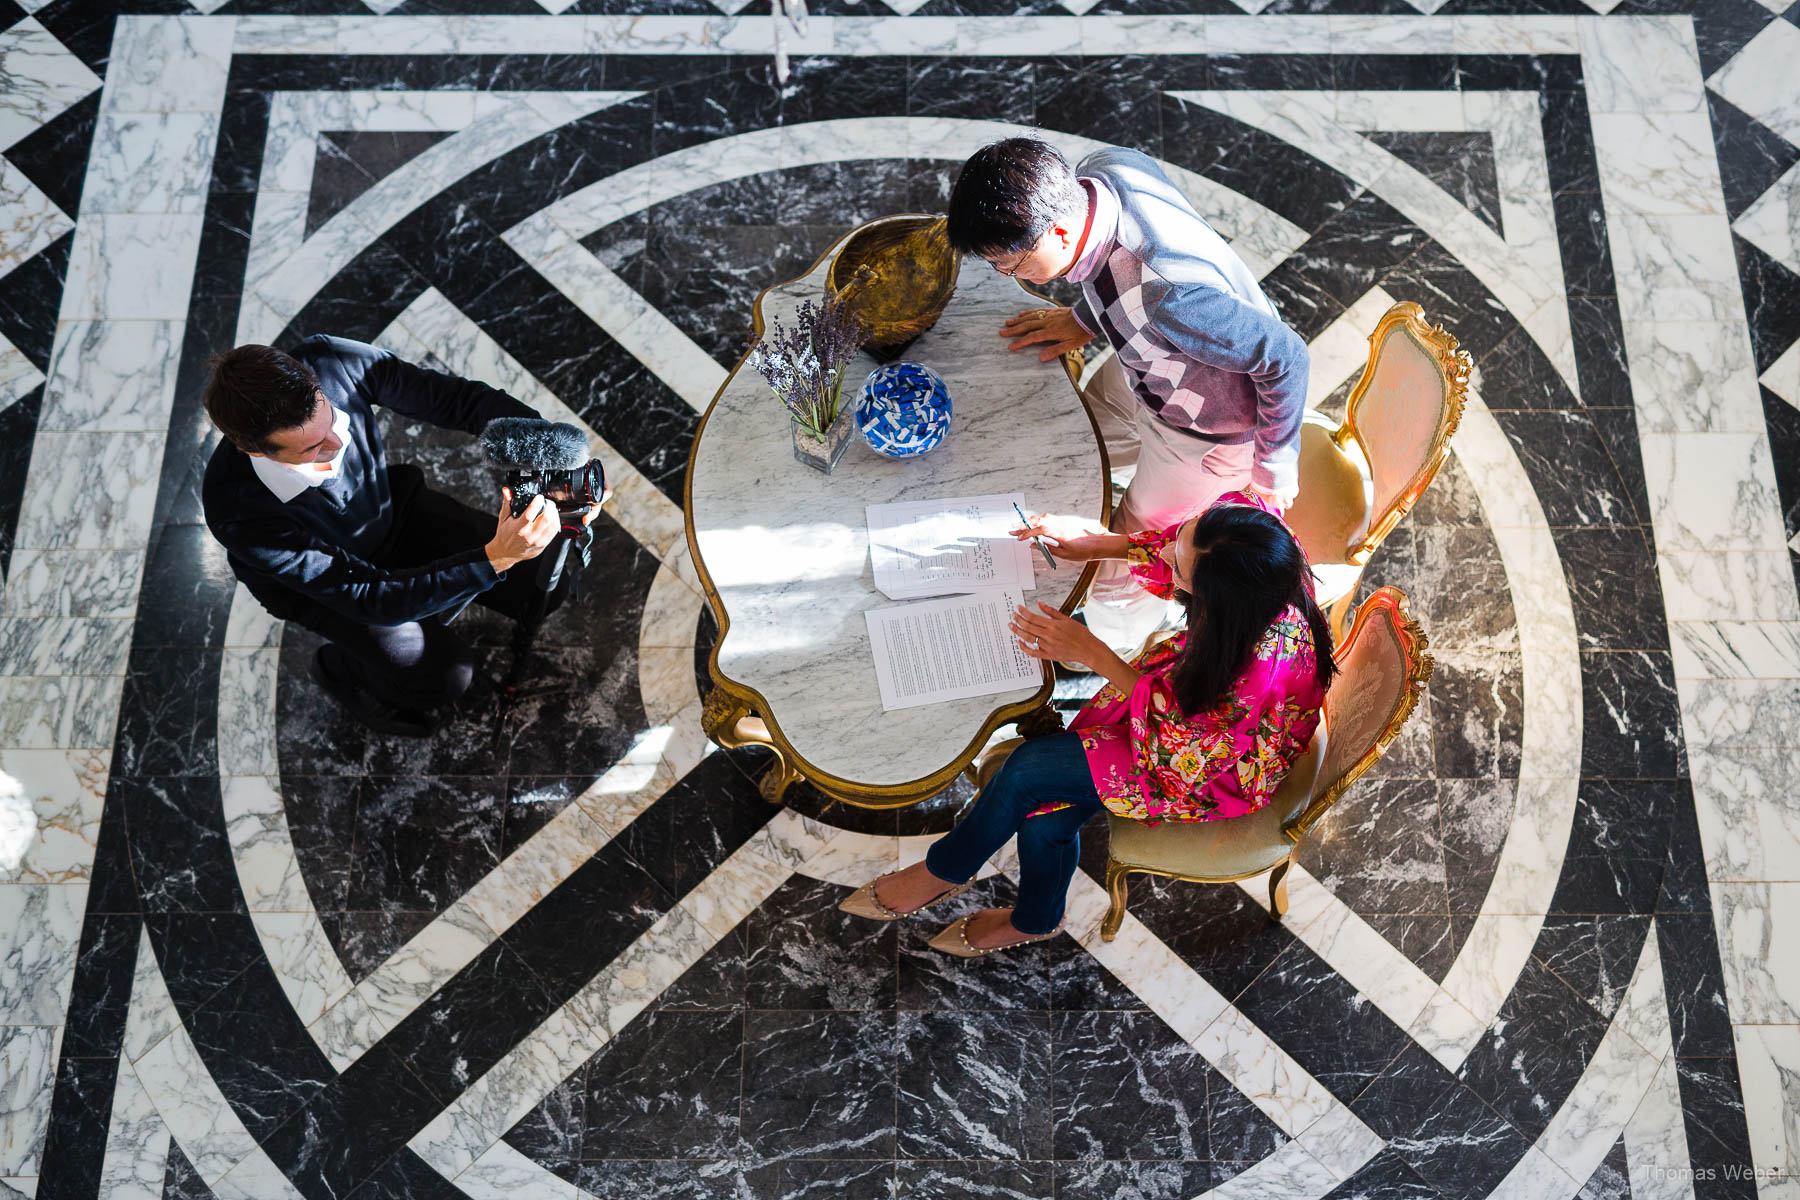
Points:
(1382, 666)
(1358, 479)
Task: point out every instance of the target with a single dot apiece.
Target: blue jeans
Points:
(1042, 771)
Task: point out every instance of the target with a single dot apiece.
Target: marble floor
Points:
(563, 948)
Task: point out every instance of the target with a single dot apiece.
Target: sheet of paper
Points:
(949, 649)
(946, 547)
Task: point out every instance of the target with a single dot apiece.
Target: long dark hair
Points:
(1247, 569)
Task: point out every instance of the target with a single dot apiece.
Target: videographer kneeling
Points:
(325, 534)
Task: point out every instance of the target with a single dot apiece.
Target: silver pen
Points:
(1038, 540)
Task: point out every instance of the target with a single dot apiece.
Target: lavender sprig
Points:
(804, 365)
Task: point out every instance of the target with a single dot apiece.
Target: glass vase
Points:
(822, 454)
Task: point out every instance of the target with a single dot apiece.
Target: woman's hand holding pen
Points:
(1073, 539)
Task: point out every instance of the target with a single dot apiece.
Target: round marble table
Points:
(783, 550)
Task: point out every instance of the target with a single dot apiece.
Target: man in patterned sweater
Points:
(1207, 386)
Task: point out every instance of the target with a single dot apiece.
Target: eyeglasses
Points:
(1012, 272)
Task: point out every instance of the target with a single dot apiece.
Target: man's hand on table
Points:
(1073, 539)
(1057, 326)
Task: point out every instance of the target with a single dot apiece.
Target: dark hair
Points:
(255, 391)
(1008, 194)
(1247, 569)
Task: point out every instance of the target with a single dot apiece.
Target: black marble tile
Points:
(820, 1178)
(1617, 429)
(1519, 72)
(1219, 931)
(1440, 1128)
(551, 1134)
(518, 183)
(1099, 1180)
(1599, 351)
(1270, 72)
(986, 89)
(696, 825)
(186, 593)
(1452, 298)
(974, 1085)
(179, 851)
(1532, 1055)
(1352, 249)
(475, 733)
(1631, 727)
(167, 715)
(1384, 1177)
(1428, 940)
(1718, 1141)
(348, 163)
(243, 134)
(1517, 374)
(1380, 849)
(422, 841)
(1684, 886)
(10, 14)
(1771, 301)
(1617, 848)
(576, 711)
(100, 992)
(609, 898)
(1270, 171)
(1611, 1180)
(113, 885)
(18, 428)
(1568, 141)
(180, 1180)
(819, 1084)
(200, 953)
(360, 301)
(1314, 1014)
(365, 939)
(1116, 100)
(927, 979)
(321, 818)
(664, 1179)
(1570, 467)
(29, 297)
(1476, 816)
(1613, 587)
(1384, 72)
(1699, 1020)
(1078, 983)
(355, 1126)
(407, 1177)
(1477, 714)
(715, 982)
(976, 1180)
(1721, 27)
(54, 155)
(1751, 155)
(1126, 1087)
(1594, 955)
(668, 1086)
(75, 1138)
(532, 802)
(1784, 449)
(1460, 588)
(804, 953)
(1582, 244)
(1301, 299)
(1238, 1133)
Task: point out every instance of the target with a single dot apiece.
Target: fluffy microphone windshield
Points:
(534, 444)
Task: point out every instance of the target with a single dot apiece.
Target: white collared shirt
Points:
(287, 480)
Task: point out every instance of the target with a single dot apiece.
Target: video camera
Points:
(548, 459)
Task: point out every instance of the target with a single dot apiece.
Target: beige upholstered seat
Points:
(1382, 666)
(1359, 479)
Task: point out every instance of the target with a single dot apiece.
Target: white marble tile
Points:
(249, 625)
(304, 961)
(1264, 1072)
(63, 645)
(1674, 267)
(29, 221)
(1341, 1143)
(73, 583)
(255, 1178)
(247, 712)
(1290, 1171)
(671, 613)
(50, 803)
(503, 1173)
(1736, 649)
(1658, 162)
(42, 79)
(1017, 35)
(1749, 824)
(1537, 838)
(1729, 586)
(168, 64)
(40, 927)
(27, 1079)
(534, 870)
(1130, 33)
(25, 1185)
(1534, 1177)
(112, 376)
(99, 494)
(1524, 33)
(1488, 965)
(1742, 712)
(613, 998)
(853, 859)
(18, 375)
(1769, 1067)
(1760, 78)
(1783, 375)
(416, 970)
(1368, 961)
(1712, 491)
(1268, 35)
(1693, 377)
(1361, 34)
(261, 846)
(1773, 221)
(1400, 110)
(151, 1017)
(1644, 64)
(278, 227)
(346, 1030)
(1643, 1014)
(287, 35)
(158, 162)
(734, 889)
(53, 712)
(1762, 982)
(630, 34)
(1656, 1148)
(1141, 961)
(665, 681)
(130, 266)
(137, 1143)
(198, 1117)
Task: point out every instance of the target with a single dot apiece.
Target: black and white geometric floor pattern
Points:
(563, 948)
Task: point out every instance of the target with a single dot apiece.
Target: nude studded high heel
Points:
(863, 902)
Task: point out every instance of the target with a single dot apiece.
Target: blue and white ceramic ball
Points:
(905, 409)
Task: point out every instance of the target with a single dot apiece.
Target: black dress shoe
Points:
(332, 675)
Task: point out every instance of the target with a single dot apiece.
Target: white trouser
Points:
(1176, 476)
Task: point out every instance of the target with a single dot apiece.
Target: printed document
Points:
(949, 649)
(946, 547)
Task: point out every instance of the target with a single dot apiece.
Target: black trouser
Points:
(423, 664)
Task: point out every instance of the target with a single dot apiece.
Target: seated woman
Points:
(1200, 727)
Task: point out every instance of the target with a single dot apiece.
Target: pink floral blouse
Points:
(1152, 762)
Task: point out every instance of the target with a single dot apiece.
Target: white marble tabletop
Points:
(787, 548)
